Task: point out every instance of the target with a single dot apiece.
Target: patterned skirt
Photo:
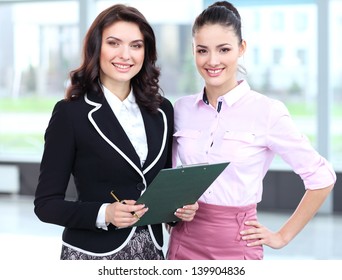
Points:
(140, 247)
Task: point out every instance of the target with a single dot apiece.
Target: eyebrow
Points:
(218, 46)
(117, 39)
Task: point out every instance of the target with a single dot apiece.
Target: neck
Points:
(121, 90)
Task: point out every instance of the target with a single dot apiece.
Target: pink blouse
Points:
(248, 131)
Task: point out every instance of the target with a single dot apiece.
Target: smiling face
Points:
(217, 50)
(122, 54)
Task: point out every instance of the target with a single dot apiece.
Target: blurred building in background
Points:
(293, 50)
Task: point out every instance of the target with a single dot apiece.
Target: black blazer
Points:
(84, 138)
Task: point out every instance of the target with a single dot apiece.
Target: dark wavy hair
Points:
(145, 84)
(221, 12)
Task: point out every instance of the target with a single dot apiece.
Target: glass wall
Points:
(281, 58)
(37, 50)
(336, 81)
(40, 48)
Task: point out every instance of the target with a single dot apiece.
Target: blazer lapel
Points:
(109, 128)
(156, 133)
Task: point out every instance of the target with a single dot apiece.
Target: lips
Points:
(214, 72)
(122, 66)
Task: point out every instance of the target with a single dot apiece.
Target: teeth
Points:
(121, 66)
(214, 71)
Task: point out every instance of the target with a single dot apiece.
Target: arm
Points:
(56, 167)
(307, 208)
(318, 177)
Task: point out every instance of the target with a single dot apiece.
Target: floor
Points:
(20, 230)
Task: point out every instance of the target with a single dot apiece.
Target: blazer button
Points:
(140, 186)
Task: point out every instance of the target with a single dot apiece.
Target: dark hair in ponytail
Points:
(221, 12)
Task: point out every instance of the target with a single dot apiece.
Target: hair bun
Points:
(228, 6)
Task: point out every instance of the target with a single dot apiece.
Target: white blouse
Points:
(130, 118)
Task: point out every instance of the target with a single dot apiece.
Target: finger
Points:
(141, 212)
(253, 223)
(252, 231)
(133, 207)
(247, 231)
(252, 236)
(125, 222)
(255, 243)
(180, 213)
(128, 202)
(184, 216)
(187, 211)
(193, 207)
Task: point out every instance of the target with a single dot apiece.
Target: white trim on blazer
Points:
(141, 173)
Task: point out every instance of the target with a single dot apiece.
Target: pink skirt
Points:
(214, 235)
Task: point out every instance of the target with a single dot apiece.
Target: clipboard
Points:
(173, 188)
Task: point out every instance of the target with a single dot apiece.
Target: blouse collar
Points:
(231, 97)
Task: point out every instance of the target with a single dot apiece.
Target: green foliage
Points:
(16, 143)
(27, 104)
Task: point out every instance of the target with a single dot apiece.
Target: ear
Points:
(242, 48)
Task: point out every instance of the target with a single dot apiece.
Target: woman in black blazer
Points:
(113, 131)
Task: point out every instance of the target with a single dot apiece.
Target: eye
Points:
(225, 50)
(202, 51)
(112, 43)
(137, 45)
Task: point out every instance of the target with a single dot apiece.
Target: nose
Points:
(213, 59)
(125, 54)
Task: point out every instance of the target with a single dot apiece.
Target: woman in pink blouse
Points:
(229, 122)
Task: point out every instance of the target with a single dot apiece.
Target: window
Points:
(37, 53)
(300, 21)
(336, 82)
(277, 56)
(256, 56)
(39, 49)
(287, 64)
(302, 56)
(277, 21)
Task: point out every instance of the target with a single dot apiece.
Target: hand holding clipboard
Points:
(173, 188)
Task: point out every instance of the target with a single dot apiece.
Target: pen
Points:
(118, 200)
